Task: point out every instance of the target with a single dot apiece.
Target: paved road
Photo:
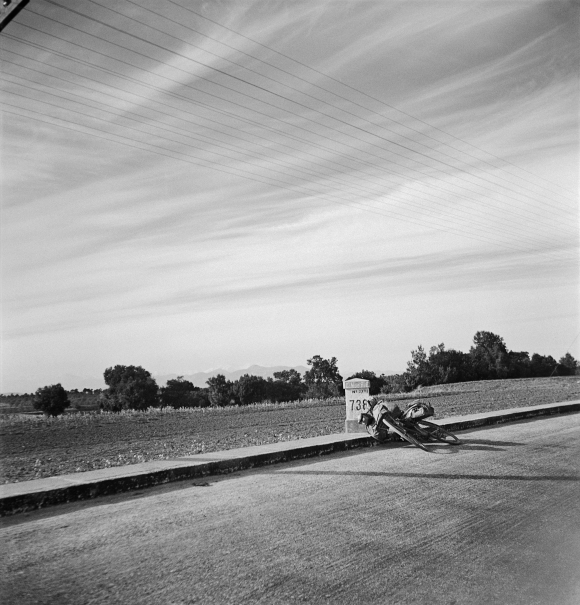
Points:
(496, 520)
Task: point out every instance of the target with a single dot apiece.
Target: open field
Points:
(32, 447)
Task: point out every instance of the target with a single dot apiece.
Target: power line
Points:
(262, 88)
(134, 94)
(243, 151)
(187, 99)
(299, 91)
(199, 161)
(382, 158)
(113, 72)
(159, 150)
(165, 138)
(355, 90)
(140, 96)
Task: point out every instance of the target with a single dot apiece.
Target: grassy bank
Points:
(32, 447)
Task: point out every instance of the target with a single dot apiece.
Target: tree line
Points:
(133, 387)
(487, 359)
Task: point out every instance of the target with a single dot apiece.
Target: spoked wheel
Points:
(402, 432)
(437, 433)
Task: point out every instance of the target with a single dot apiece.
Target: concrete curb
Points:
(30, 495)
(460, 423)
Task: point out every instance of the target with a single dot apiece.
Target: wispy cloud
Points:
(170, 293)
(135, 189)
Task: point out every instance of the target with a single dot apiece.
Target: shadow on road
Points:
(483, 445)
(465, 445)
(407, 475)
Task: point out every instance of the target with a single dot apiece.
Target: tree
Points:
(323, 380)
(250, 389)
(439, 367)
(52, 400)
(220, 391)
(418, 372)
(200, 398)
(178, 393)
(130, 388)
(489, 356)
(290, 376)
(287, 386)
(376, 382)
(542, 365)
(568, 365)
(520, 365)
(449, 365)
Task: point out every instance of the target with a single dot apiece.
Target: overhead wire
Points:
(420, 162)
(297, 90)
(265, 157)
(140, 38)
(358, 91)
(180, 156)
(153, 148)
(187, 99)
(134, 94)
(170, 140)
(152, 58)
(253, 109)
(262, 88)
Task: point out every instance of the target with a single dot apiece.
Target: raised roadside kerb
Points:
(469, 421)
(29, 495)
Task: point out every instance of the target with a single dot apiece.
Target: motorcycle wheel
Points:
(402, 432)
(437, 433)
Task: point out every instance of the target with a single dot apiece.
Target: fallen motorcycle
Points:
(410, 425)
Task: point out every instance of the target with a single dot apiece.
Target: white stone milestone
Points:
(356, 393)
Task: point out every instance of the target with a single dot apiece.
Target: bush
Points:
(250, 389)
(287, 385)
(181, 393)
(130, 388)
(52, 400)
(199, 399)
(396, 383)
(281, 390)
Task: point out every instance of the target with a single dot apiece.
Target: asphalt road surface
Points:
(496, 520)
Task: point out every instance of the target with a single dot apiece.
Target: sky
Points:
(193, 185)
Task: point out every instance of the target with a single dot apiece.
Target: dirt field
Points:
(33, 446)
